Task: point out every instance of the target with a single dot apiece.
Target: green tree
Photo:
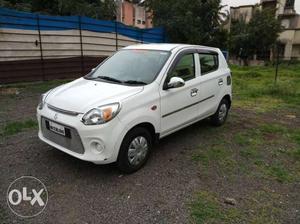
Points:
(239, 40)
(194, 22)
(22, 5)
(256, 37)
(98, 9)
(264, 30)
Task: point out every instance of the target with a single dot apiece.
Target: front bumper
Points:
(99, 144)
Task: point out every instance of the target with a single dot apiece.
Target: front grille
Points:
(72, 142)
(56, 109)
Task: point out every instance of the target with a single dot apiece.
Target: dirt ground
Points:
(80, 192)
(166, 188)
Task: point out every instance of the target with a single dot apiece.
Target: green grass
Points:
(259, 208)
(208, 209)
(218, 156)
(254, 87)
(263, 151)
(215, 153)
(205, 208)
(266, 151)
(296, 155)
(250, 153)
(295, 137)
(265, 206)
(250, 137)
(273, 128)
(15, 127)
(280, 173)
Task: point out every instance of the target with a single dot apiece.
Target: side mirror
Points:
(175, 82)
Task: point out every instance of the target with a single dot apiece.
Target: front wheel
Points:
(135, 150)
(221, 114)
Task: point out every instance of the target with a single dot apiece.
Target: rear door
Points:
(212, 80)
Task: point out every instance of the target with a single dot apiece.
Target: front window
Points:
(185, 68)
(131, 67)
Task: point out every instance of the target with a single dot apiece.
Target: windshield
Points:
(131, 67)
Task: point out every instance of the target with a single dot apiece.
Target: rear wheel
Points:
(135, 150)
(221, 114)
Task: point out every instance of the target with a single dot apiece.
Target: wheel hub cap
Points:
(222, 112)
(137, 151)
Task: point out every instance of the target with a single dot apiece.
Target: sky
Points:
(250, 2)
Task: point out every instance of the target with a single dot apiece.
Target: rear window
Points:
(208, 63)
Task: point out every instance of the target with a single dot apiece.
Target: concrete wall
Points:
(244, 12)
(291, 40)
(24, 44)
(41, 47)
(296, 51)
(280, 7)
(297, 37)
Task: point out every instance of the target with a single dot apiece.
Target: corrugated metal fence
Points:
(39, 47)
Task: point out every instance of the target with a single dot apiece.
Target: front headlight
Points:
(101, 114)
(41, 101)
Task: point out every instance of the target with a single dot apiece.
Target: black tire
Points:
(123, 158)
(217, 119)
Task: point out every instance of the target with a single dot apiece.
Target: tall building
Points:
(244, 12)
(290, 20)
(133, 13)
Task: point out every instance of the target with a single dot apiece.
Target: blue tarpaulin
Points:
(31, 21)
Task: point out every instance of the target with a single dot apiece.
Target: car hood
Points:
(82, 95)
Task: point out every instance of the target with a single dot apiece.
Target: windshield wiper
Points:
(134, 82)
(109, 79)
(89, 78)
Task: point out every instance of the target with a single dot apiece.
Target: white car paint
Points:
(82, 95)
(79, 95)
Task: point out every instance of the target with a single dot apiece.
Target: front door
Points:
(179, 105)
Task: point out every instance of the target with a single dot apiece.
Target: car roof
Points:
(166, 47)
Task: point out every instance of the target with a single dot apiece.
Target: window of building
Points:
(139, 21)
(208, 63)
(289, 4)
(185, 68)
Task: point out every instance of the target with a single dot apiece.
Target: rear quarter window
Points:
(208, 63)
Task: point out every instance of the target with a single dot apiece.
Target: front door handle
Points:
(220, 82)
(194, 92)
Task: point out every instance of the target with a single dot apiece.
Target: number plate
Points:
(57, 128)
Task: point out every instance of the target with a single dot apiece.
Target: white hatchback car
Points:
(139, 95)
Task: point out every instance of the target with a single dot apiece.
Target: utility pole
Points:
(277, 63)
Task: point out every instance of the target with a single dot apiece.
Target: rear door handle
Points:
(194, 92)
(220, 82)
